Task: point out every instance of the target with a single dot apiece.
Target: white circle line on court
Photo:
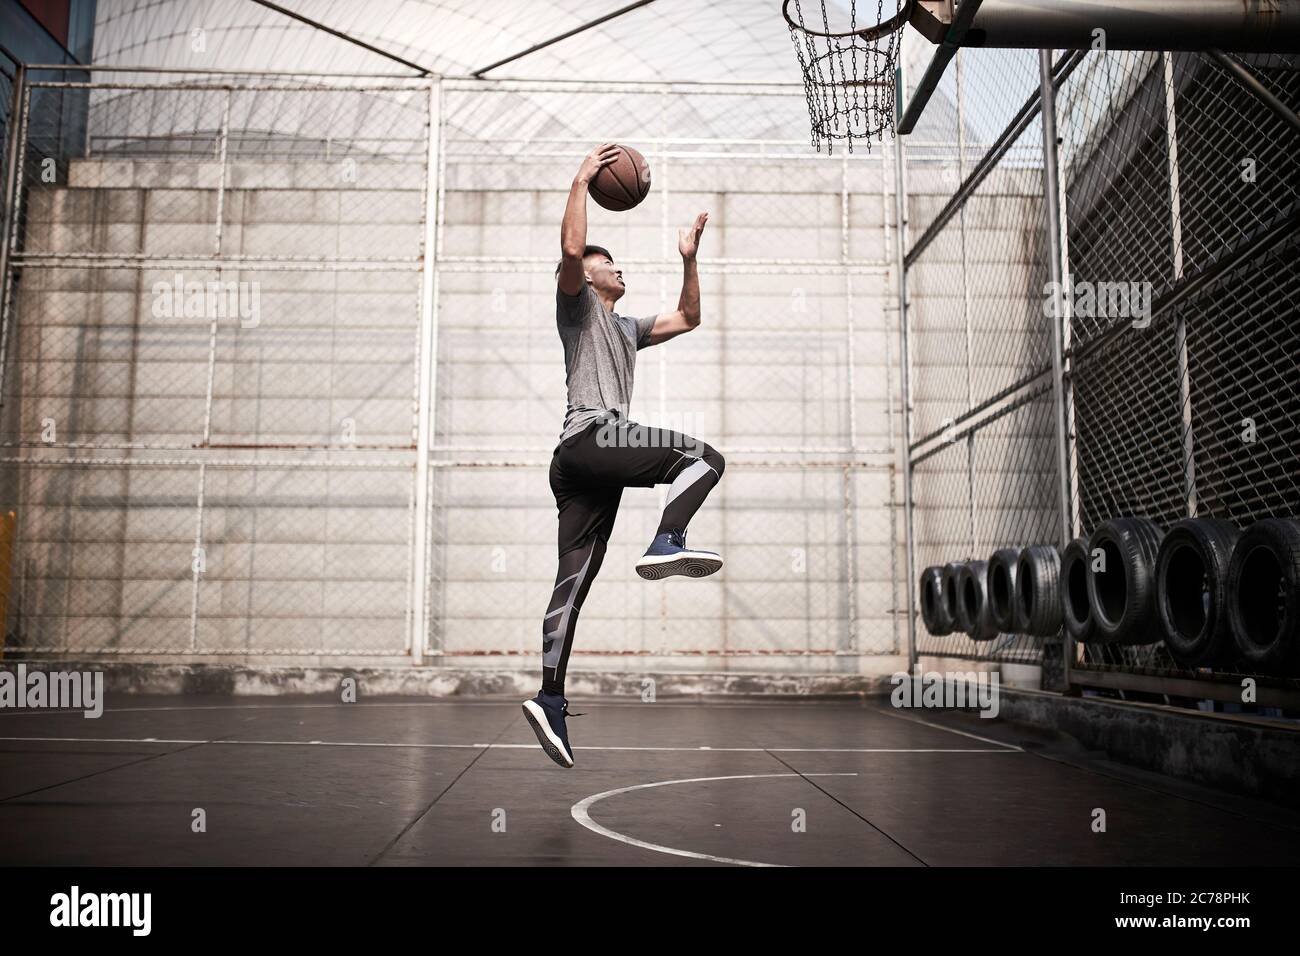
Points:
(487, 746)
(580, 812)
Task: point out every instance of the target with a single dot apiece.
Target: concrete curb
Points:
(1238, 754)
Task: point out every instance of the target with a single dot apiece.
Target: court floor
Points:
(395, 782)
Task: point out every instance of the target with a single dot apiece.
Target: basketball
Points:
(623, 183)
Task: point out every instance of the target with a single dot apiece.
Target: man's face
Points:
(605, 277)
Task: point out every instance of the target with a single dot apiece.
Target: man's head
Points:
(599, 269)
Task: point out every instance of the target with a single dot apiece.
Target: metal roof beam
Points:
(563, 36)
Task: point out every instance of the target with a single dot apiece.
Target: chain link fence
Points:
(281, 380)
(1179, 395)
(792, 377)
(983, 453)
(209, 376)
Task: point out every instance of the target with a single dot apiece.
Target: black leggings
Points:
(589, 471)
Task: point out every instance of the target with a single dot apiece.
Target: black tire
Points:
(1264, 595)
(1038, 591)
(933, 611)
(1003, 566)
(973, 602)
(1123, 596)
(1076, 608)
(948, 582)
(1192, 591)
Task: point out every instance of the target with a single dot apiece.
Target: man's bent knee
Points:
(713, 458)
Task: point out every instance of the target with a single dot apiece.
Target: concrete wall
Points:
(306, 552)
(307, 535)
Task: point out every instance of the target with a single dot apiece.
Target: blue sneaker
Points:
(546, 713)
(668, 554)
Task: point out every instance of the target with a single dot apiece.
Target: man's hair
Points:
(588, 251)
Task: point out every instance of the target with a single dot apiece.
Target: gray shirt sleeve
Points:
(643, 327)
(570, 309)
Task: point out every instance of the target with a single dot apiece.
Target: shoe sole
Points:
(542, 728)
(689, 564)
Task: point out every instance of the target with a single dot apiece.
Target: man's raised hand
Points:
(596, 160)
(688, 239)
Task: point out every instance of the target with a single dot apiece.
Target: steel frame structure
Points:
(1059, 378)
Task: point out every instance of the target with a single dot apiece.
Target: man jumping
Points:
(601, 452)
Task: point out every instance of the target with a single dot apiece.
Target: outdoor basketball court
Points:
(462, 783)
(363, 365)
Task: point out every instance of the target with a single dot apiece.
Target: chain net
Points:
(849, 78)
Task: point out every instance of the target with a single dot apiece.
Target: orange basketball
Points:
(623, 183)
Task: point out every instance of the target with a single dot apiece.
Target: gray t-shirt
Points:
(599, 356)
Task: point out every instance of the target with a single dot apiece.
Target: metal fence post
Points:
(894, 542)
(1180, 320)
(904, 361)
(12, 191)
(223, 146)
(966, 315)
(851, 645)
(428, 383)
(1058, 270)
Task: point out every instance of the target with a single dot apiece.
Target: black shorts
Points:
(589, 471)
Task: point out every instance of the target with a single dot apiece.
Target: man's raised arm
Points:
(687, 315)
(573, 230)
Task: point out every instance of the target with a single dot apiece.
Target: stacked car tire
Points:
(1219, 597)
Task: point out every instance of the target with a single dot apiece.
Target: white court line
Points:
(581, 814)
(532, 746)
(963, 733)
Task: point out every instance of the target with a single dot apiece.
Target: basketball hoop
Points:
(849, 75)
